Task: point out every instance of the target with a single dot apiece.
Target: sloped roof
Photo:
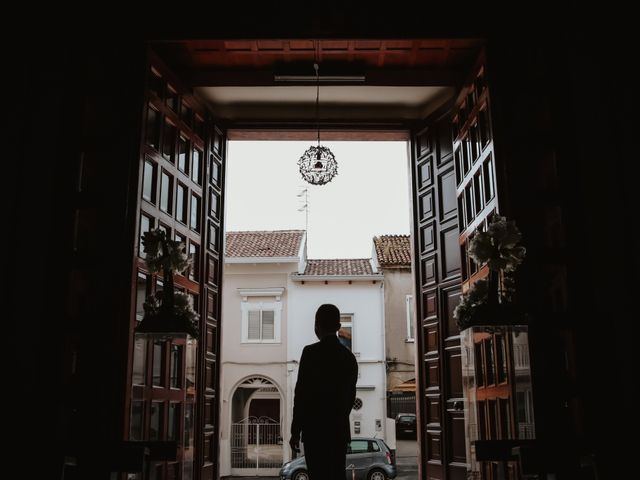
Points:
(393, 250)
(264, 243)
(408, 386)
(339, 266)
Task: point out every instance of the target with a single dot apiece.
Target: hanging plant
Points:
(489, 301)
(498, 246)
(168, 311)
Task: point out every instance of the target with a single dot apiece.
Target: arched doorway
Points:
(256, 440)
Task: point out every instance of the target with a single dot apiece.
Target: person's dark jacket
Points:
(325, 392)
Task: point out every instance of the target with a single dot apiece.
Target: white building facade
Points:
(254, 416)
(271, 294)
(357, 291)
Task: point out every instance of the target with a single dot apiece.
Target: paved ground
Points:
(406, 460)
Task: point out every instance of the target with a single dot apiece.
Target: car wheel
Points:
(377, 475)
(301, 475)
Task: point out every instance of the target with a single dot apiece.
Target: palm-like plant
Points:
(168, 311)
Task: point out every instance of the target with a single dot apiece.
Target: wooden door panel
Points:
(434, 451)
(438, 279)
(450, 299)
(432, 374)
(431, 341)
(428, 237)
(425, 172)
(458, 444)
(430, 304)
(450, 251)
(427, 210)
(180, 189)
(429, 270)
(477, 199)
(445, 145)
(473, 152)
(447, 192)
(424, 142)
(432, 418)
(214, 179)
(454, 192)
(454, 374)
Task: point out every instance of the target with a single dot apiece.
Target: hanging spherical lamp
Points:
(317, 164)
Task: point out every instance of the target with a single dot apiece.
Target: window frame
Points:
(275, 306)
(349, 324)
(410, 314)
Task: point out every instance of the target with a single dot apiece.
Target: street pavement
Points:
(407, 459)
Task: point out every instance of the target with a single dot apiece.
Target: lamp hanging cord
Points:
(317, 69)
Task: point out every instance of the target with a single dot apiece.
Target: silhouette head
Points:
(327, 320)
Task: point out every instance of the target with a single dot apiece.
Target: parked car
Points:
(406, 425)
(369, 458)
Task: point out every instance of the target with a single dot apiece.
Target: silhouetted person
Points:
(324, 395)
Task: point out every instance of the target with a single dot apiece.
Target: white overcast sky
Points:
(369, 196)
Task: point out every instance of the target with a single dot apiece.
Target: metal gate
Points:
(256, 443)
(404, 402)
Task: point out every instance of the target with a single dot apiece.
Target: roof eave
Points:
(261, 259)
(335, 278)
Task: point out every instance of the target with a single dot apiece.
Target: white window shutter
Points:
(268, 325)
(253, 332)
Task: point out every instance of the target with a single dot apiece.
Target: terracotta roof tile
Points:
(340, 266)
(393, 250)
(269, 243)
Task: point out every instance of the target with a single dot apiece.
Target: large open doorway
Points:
(436, 90)
(299, 246)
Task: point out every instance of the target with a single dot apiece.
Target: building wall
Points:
(364, 300)
(244, 360)
(252, 276)
(400, 353)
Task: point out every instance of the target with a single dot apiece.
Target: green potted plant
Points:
(168, 312)
(490, 301)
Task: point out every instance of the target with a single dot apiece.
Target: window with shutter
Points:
(261, 322)
(268, 325)
(254, 325)
(410, 318)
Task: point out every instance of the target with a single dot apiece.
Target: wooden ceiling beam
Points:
(288, 131)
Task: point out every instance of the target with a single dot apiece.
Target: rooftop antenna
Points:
(305, 207)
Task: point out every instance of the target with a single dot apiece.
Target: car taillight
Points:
(388, 455)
